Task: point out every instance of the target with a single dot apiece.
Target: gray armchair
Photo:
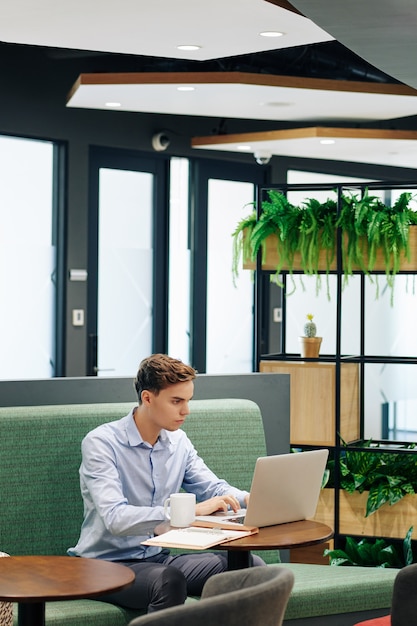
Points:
(256, 596)
(404, 601)
(404, 597)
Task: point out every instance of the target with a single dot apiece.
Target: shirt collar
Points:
(134, 438)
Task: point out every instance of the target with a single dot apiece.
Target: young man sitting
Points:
(129, 468)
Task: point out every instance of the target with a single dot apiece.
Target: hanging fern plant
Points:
(305, 230)
(281, 218)
(317, 230)
(353, 220)
(390, 232)
(368, 228)
(242, 247)
(393, 234)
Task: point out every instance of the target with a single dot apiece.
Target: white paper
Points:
(198, 538)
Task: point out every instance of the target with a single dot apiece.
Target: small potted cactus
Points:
(310, 343)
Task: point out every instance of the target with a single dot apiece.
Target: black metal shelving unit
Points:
(338, 358)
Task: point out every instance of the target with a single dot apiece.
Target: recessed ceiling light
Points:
(113, 105)
(271, 33)
(327, 142)
(244, 148)
(277, 104)
(188, 47)
(185, 88)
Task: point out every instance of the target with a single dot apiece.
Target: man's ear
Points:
(146, 397)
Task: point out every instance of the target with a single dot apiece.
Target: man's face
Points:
(169, 408)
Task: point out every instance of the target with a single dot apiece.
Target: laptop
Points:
(285, 488)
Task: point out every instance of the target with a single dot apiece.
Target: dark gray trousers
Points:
(165, 580)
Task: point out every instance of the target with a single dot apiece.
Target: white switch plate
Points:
(78, 275)
(277, 314)
(78, 317)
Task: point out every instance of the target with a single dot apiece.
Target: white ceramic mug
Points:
(180, 509)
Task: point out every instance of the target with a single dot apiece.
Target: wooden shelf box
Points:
(389, 521)
(313, 400)
(271, 259)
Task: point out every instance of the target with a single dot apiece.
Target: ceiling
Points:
(304, 77)
(245, 95)
(386, 147)
(381, 31)
(156, 28)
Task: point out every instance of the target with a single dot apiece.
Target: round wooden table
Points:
(279, 537)
(33, 580)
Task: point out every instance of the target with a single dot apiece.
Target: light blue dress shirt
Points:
(125, 482)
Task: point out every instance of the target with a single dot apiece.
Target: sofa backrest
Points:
(40, 502)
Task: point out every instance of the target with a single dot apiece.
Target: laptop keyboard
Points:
(239, 519)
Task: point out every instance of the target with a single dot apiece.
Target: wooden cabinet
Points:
(313, 400)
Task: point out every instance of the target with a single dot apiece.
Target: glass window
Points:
(229, 308)
(27, 259)
(390, 401)
(307, 299)
(179, 262)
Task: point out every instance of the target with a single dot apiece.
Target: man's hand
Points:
(218, 503)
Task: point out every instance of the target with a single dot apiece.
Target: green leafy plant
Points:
(242, 247)
(367, 226)
(317, 232)
(389, 229)
(373, 553)
(282, 218)
(306, 230)
(387, 476)
(353, 220)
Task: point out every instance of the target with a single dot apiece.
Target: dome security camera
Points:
(262, 157)
(160, 141)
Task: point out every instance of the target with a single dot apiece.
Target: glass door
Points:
(229, 341)
(127, 262)
(223, 312)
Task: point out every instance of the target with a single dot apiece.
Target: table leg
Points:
(31, 614)
(237, 559)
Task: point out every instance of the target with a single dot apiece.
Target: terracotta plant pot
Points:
(310, 347)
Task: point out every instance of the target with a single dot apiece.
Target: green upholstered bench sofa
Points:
(41, 506)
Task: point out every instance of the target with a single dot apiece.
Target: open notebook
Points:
(285, 488)
(196, 538)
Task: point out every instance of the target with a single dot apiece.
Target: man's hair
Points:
(159, 371)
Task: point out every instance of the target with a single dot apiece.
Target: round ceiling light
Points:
(277, 103)
(271, 33)
(188, 47)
